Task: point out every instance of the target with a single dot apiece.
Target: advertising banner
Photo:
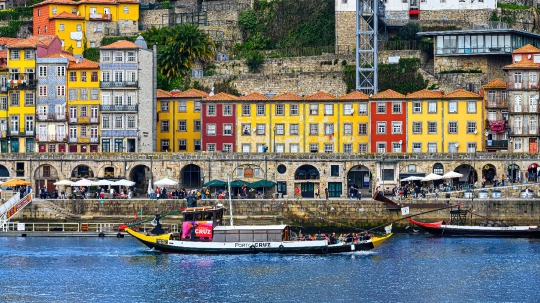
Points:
(197, 228)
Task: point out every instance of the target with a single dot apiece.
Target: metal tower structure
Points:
(370, 29)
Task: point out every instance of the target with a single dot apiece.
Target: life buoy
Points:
(325, 249)
(281, 248)
(252, 248)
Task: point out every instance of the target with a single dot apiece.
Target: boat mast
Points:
(230, 200)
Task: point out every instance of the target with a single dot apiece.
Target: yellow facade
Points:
(63, 29)
(3, 109)
(179, 121)
(289, 123)
(444, 123)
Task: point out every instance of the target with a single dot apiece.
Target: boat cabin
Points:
(250, 234)
(205, 213)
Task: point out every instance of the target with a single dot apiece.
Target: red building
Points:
(219, 123)
(388, 122)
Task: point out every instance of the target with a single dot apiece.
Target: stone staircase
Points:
(46, 206)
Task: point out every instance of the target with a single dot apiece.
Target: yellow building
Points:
(179, 120)
(3, 100)
(450, 123)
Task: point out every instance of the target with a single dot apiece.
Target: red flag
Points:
(138, 213)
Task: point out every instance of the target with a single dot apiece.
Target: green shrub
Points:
(254, 60)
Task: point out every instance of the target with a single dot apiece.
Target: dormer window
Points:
(54, 10)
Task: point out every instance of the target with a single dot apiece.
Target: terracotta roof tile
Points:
(497, 83)
(121, 44)
(107, 1)
(388, 94)
(461, 93)
(66, 15)
(524, 63)
(425, 94)
(356, 95)
(320, 95)
(191, 93)
(254, 97)
(83, 64)
(32, 41)
(55, 2)
(527, 49)
(3, 54)
(221, 97)
(163, 94)
(61, 55)
(8, 41)
(287, 97)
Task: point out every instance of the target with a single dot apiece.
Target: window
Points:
(79, 26)
(328, 109)
(246, 129)
(280, 109)
(432, 107)
(131, 122)
(118, 99)
(61, 28)
(313, 147)
(182, 106)
(197, 106)
(432, 147)
(72, 94)
(14, 54)
(3, 103)
(182, 125)
(381, 147)
(381, 107)
(362, 128)
(118, 76)
(197, 144)
(227, 110)
(227, 129)
(73, 76)
(84, 94)
(452, 147)
(119, 57)
(246, 148)
(362, 148)
(471, 147)
(164, 106)
(211, 109)
(280, 129)
(164, 126)
(347, 129)
(83, 76)
(28, 98)
(211, 147)
(261, 110)
(294, 109)
(246, 110)
(314, 109)
(348, 110)
(227, 147)
(78, 43)
(381, 127)
(119, 122)
(396, 127)
(210, 129)
(314, 129)
(396, 107)
(452, 127)
(14, 99)
(42, 90)
(165, 145)
(293, 148)
(417, 127)
(471, 107)
(329, 148)
(432, 127)
(29, 123)
(347, 148)
(396, 147)
(94, 77)
(417, 107)
(54, 10)
(452, 107)
(329, 129)
(105, 122)
(362, 109)
(294, 129)
(261, 129)
(42, 71)
(94, 94)
(131, 56)
(471, 127)
(280, 148)
(417, 147)
(106, 56)
(61, 71)
(517, 144)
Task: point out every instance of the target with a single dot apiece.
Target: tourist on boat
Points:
(333, 238)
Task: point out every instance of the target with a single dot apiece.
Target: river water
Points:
(406, 268)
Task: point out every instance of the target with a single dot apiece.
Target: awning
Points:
(263, 183)
(215, 183)
(239, 183)
(406, 175)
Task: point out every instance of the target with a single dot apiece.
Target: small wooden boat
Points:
(203, 233)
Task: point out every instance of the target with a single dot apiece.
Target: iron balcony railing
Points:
(52, 117)
(50, 138)
(22, 84)
(497, 103)
(522, 84)
(497, 143)
(119, 108)
(118, 84)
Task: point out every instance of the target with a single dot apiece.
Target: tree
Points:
(409, 31)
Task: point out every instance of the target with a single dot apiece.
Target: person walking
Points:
(317, 193)
(326, 193)
(297, 193)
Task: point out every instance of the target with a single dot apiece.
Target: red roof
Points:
(287, 97)
(121, 44)
(497, 83)
(356, 95)
(525, 63)
(461, 93)
(55, 2)
(388, 94)
(191, 93)
(424, 94)
(320, 95)
(526, 49)
(254, 97)
(163, 94)
(221, 97)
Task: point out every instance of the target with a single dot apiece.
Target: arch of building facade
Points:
(54, 167)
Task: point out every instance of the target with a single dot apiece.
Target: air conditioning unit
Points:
(475, 132)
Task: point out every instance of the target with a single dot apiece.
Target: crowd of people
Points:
(333, 239)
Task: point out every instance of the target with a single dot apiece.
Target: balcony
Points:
(22, 84)
(50, 138)
(522, 85)
(73, 119)
(119, 108)
(19, 132)
(497, 143)
(73, 140)
(94, 120)
(525, 108)
(94, 139)
(497, 103)
(100, 17)
(524, 130)
(52, 117)
(118, 84)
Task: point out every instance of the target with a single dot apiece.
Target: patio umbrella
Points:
(263, 183)
(63, 182)
(412, 178)
(123, 182)
(239, 183)
(16, 182)
(102, 183)
(165, 182)
(432, 177)
(452, 175)
(215, 183)
(83, 182)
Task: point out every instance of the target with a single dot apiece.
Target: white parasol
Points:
(82, 182)
(63, 182)
(165, 182)
(452, 175)
(432, 177)
(412, 178)
(102, 183)
(123, 182)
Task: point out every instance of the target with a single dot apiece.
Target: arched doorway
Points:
(513, 172)
(306, 177)
(82, 171)
(140, 174)
(4, 172)
(191, 176)
(489, 172)
(45, 176)
(359, 176)
(438, 169)
(109, 172)
(469, 174)
(532, 172)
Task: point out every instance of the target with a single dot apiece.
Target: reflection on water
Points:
(404, 269)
